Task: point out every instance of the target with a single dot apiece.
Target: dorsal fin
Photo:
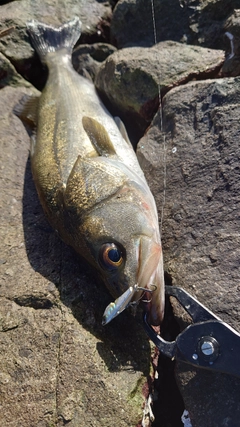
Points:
(98, 137)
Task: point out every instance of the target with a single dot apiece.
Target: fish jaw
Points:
(155, 307)
(151, 277)
(149, 290)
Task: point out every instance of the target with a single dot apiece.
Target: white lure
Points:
(122, 302)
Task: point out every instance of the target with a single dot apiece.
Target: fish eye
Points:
(110, 256)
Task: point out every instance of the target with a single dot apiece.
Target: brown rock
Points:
(130, 78)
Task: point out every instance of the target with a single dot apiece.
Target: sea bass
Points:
(88, 179)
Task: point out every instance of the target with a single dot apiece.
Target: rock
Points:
(208, 21)
(194, 22)
(132, 22)
(201, 223)
(98, 51)
(87, 58)
(9, 75)
(130, 78)
(58, 364)
(16, 46)
(231, 66)
(233, 24)
(217, 404)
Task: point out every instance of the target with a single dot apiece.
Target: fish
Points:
(87, 175)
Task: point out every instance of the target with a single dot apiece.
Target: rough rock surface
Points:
(231, 66)
(132, 22)
(9, 75)
(208, 21)
(200, 22)
(130, 78)
(87, 58)
(201, 223)
(58, 364)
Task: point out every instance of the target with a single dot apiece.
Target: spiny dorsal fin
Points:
(98, 137)
(122, 129)
(27, 109)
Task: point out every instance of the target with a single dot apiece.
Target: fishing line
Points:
(160, 111)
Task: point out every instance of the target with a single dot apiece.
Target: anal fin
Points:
(98, 137)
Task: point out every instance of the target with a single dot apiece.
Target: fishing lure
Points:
(122, 302)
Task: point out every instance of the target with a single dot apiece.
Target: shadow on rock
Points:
(122, 344)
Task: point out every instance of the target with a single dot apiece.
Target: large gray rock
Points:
(130, 78)
(201, 222)
(58, 364)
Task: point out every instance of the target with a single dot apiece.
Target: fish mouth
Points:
(151, 277)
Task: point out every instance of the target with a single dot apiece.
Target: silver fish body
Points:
(88, 178)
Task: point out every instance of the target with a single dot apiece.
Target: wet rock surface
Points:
(58, 364)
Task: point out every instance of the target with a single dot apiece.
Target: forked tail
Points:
(46, 38)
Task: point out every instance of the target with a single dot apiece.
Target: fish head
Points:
(127, 251)
(114, 214)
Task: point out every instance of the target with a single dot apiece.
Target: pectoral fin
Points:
(122, 129)
(27, 109)
(98, 137)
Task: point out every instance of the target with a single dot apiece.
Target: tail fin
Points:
(46, 38)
